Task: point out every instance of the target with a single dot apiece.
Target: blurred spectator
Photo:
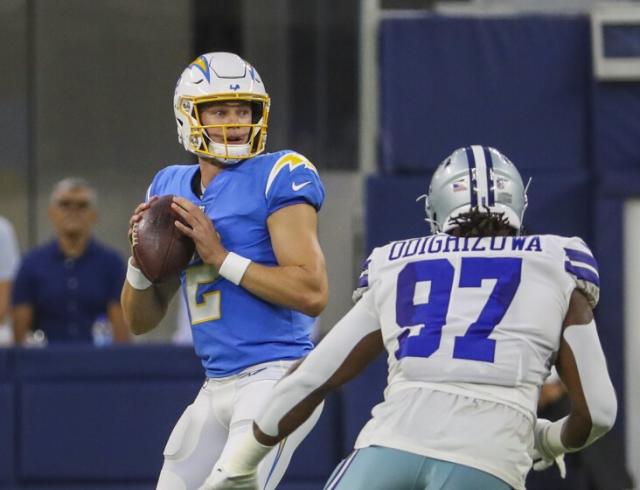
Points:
(71, 285)
(9, 258)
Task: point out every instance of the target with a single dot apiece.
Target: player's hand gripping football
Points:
(135, 219)
(543, 457)
(201, 230)
(219, 479)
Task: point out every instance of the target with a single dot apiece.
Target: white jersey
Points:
(477, 321)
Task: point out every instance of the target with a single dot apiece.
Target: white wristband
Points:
(234, 267)
(136, 279)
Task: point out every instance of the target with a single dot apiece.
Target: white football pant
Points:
(210, 427)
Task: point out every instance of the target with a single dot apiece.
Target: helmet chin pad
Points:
(234, 153)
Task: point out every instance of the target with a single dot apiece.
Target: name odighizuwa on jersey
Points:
(482, 314)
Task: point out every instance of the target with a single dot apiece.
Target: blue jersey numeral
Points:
(432, 314)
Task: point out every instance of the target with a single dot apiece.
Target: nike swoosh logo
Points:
(297, 187)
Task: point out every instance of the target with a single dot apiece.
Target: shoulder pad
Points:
(582, 267)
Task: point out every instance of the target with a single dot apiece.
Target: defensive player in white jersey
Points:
(258, 278)
(472, 319)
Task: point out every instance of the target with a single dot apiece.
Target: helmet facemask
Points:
(226, 150)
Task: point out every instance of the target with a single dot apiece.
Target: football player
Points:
(258, 278)
(472, 318)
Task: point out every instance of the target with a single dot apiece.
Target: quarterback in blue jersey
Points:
(258, 278)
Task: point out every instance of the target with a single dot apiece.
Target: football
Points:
(159, 248)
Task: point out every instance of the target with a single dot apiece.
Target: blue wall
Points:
(81, 418)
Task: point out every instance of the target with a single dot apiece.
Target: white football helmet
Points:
(475, 177)
(220, 77)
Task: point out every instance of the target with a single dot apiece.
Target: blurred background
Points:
(374, 92)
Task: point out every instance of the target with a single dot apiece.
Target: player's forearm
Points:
(303, 288)
(119, 327)
(144, 309)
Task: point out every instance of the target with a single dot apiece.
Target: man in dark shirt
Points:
(68, 284)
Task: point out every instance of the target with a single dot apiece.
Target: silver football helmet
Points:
(220, 77)
(475, 177)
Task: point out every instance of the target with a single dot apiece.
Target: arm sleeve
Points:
(293, 179)
(594, 378)
(364, 279)
(582, 268)
(596, 386)
(320, 365)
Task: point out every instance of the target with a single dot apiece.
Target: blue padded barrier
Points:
(6, 364)
(391, 210)
(558, 204)
(110, 430)
(99, 415)
(521, 84)
(78, 362)
(609, 251)
(359, 396)
(88, 486)
(320, 452)
(7, 433)
(616, 130)
(98, 419)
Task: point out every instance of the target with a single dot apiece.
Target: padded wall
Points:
(79, 418)
(521, 84)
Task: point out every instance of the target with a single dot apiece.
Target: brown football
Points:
(160, 250)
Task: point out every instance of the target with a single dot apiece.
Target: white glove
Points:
(548, 448)
(541, 464)
(219, 479)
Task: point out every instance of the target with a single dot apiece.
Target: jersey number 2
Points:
(431, 316)
(203, 306)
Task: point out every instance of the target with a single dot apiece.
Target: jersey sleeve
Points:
(293, 179)
(157, 184)
(363, 280)
(582, 268)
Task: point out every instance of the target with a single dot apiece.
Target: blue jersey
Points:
(232, 328)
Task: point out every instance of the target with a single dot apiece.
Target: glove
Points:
(541, 464)
(548, 448)
(219, 479)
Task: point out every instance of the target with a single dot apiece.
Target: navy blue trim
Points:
(363, 281)
(473, 185)
(490, 185)
(275, 461)
(582, 274)
(580, 256)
